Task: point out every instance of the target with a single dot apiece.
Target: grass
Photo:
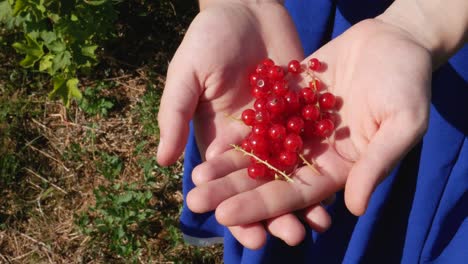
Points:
(81, 185)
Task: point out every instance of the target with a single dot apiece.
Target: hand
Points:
(207, 80)
(382, 74)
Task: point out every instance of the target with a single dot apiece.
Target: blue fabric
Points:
(418, 214)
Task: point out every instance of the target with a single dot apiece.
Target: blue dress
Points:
(417, 215)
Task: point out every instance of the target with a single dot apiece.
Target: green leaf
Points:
(124, 198)
(89, 50)
(20, 5)
(46, 62)
(96, 2)
(73, 90)
(48, 37)
(65, 89)
(61, 61)
(56, 46)
(31, 48)
(5, 11)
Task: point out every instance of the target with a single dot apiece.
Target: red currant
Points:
(288, 158)
(295, 124)
(310, 112)
(327, 101)
(258, 92)
(246, 145)
(260, 130)
(275, 73)
(292, 101)
(308, 95)
(315, 84)
(260, 104)
(256, 170)
(280, 88)
(258, 144)
(314, 64)
(262, 117)
(268, 62)
(324, 128)
(261, 69)
(253, 78)
(248, 116)
(277, 132)
(276, 104)
(292, 143)
(294, 67)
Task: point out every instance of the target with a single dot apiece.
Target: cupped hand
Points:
(207, 81)
(382, 76)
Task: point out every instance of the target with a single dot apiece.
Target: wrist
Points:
(440, 27)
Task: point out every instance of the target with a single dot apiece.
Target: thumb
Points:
(392, 141)
(178, 104)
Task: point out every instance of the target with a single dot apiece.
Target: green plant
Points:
(147, 110)
(60, 38)
(110, 166)
(120, 219)
(93, 103)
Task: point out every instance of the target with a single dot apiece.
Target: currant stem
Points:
(284, 175)
(233, 118)
(310, 165)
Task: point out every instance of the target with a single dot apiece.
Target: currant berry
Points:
(277, 132)
(262, 69)
(327, 101)
(248, 116)
(308, 95)
(280, 88)
(245, 145)
(260, 104)
(276, 73)
(295, 124)
(256, 170)
(292, 101)
(315, 84)
(253, 79)
(288, 158)
(258, 92)
(260, 130)
(329, 115)
(294, 67)
(324, 128)
(268, 62)
(292, 143)
(258, 144)
(276, 104)
(310, 112)
(314, 64)
(262, 117)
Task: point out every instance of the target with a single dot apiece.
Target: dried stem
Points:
(284, 175)
(310, 165)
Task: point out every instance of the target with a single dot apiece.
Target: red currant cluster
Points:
(282, 118)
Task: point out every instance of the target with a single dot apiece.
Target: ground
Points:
(81, 184)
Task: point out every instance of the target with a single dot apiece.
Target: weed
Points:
(94, 103)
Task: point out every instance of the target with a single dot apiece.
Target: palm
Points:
(212, 63)
(382, 77)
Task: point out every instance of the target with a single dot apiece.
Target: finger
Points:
(393, 139)
(208, 196)
(219, 166)
(317, 218)
(287, 228)
(178, 103)
(252, 236)
(275, 198)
